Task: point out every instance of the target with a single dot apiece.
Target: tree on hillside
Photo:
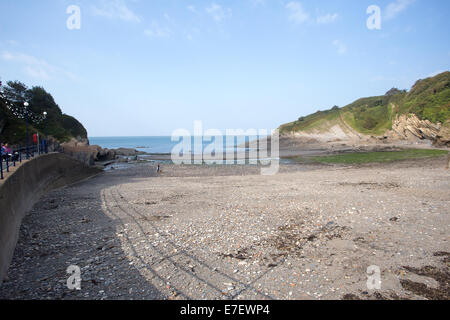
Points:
(2, 115)
(15, 94)
(393, 92)
(54, 123)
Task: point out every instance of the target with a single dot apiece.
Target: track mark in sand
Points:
(183, 252)
(211, 273)
(148, 267)
(128, 240)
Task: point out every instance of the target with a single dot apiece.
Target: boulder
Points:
(88, 154)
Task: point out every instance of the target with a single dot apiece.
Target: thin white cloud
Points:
(192, 33)
(168, 18)
(218, 13)
(115, 9)
(192, 8)
(297, 13)
(157, 31)
(328, 18)
(36, 68)
(13, 42)
(258, 3)
(394, 8)
(37, 73)
(341, 47)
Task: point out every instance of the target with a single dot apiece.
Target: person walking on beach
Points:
(158, 169)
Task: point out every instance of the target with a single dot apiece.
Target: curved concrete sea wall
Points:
(21, 190)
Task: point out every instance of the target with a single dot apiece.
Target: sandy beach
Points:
(226, 232)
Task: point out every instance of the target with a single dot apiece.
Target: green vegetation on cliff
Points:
(55, 124)
(429, 99)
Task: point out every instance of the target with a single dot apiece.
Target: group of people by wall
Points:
(7, 153)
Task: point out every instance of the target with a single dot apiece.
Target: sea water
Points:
(159, 144)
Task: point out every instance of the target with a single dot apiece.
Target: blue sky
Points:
(148, 67)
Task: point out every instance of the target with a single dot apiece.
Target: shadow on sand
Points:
(68, 227)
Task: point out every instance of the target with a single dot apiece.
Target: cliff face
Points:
(329, 132)
(410, 127)
(422, 114)
(405, 128)
(87, 154)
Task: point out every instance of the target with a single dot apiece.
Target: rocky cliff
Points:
(410, 127)
(83, 152)
(419, 115)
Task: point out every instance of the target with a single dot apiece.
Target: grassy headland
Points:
(428, 99)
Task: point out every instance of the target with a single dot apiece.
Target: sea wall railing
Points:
(19, 154)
